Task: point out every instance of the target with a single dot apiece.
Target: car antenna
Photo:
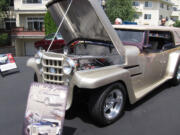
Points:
(59, 25)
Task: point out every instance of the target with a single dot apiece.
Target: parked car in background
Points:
(43, 44)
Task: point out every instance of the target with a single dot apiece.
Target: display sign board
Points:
(45, 110)
(7, 64)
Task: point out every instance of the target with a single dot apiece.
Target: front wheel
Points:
(107, 105)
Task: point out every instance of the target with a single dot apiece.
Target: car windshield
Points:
(50, 37)
(131, 37)
(59, 36)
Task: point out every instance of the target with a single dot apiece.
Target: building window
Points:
(160, 17)
(32, 1)
(148, 4)
(11, 3)
(35, 23)
(174, 18)
(167, 18)
(136, 16)
(168, 7)
(147, 16)
(174, 8)
(161, 5)
(136, 3)
(10, 23)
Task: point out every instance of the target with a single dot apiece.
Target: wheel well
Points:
(120, 81)
(80, 93)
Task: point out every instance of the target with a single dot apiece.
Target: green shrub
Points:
(120, 9)
(50, 26)
(177, 24)
(3, 39)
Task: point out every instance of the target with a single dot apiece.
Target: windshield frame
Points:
(138, 44)
(90, 42)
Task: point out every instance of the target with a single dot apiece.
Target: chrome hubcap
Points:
(178, 73)
(113, 104)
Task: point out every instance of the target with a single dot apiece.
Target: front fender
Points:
(92, 79)
(32, 63)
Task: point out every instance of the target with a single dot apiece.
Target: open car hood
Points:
(85, 20)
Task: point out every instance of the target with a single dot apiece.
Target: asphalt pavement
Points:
(156, 114)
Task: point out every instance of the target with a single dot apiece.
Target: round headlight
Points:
(39, 54)
(38, 57)
(68, 66)
(38, 61)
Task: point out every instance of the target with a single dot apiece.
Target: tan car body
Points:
(139, 72)
(137, 86)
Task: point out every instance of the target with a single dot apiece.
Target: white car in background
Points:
(45, 127)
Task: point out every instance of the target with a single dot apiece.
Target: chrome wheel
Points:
(178, 73)
(107, 104)
(113, 104)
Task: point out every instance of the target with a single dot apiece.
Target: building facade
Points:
(27, 17)
(176, 10)
(9, 20)
(29, 25)
(151, 12)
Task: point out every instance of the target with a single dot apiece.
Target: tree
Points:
(177, 24)
(4, 39)
(50, 26)
(4, 8)
(120, 8)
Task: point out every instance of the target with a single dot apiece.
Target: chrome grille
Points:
(52, 68)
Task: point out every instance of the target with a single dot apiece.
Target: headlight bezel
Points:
(38, 57)
(68, 66)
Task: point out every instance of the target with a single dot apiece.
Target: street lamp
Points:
(103, 3)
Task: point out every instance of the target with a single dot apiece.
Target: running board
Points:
(141, 93)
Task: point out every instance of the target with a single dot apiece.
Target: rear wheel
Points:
(176, 80)
(107, 105)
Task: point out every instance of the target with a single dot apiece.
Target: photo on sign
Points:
(3, 59)
(7, 64)
(45, 110)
